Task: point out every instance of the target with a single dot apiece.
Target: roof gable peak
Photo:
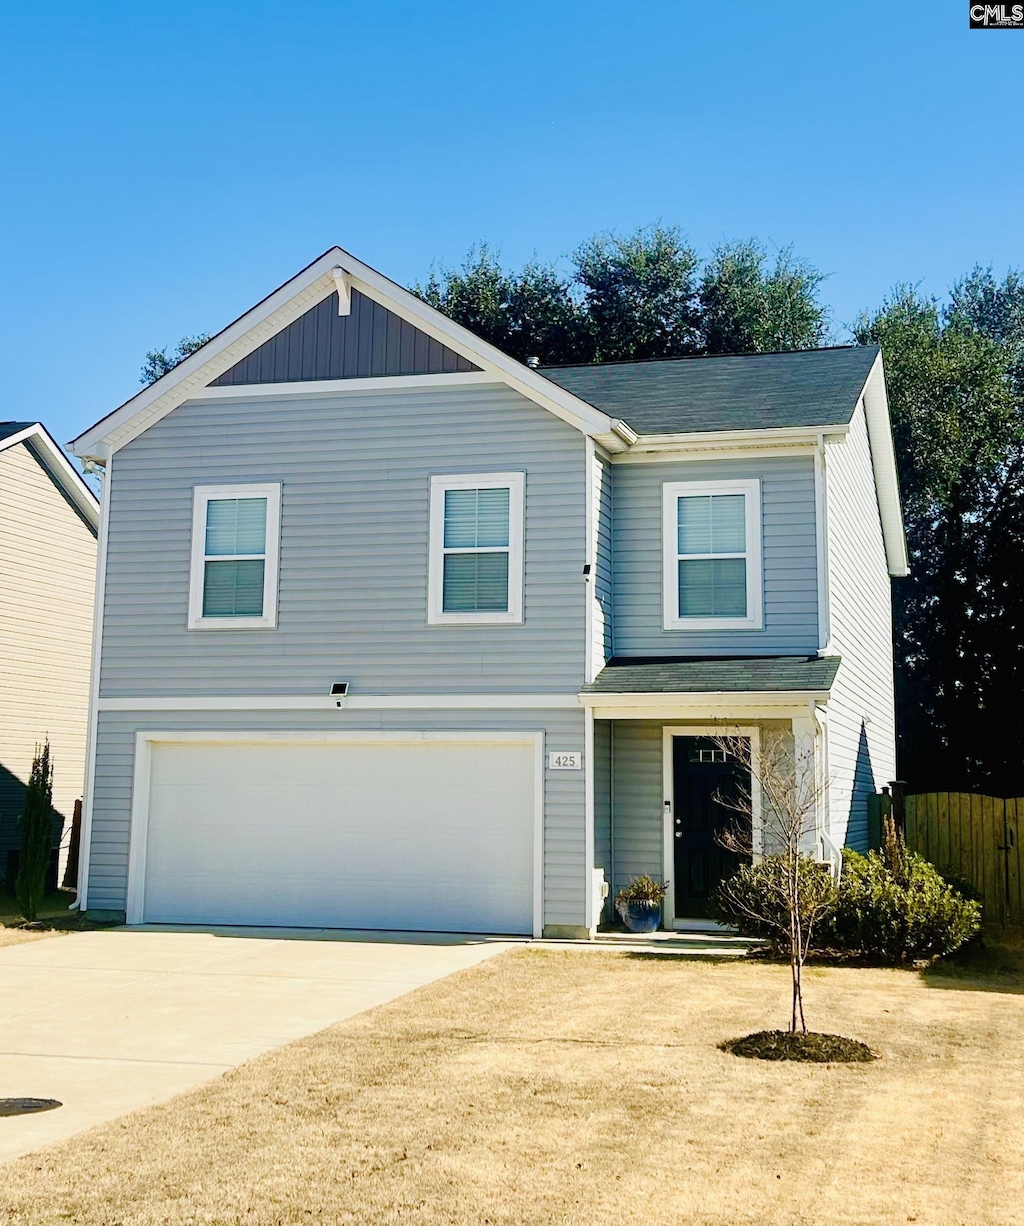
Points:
(308, 288)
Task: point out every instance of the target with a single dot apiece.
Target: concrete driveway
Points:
(110, 1021)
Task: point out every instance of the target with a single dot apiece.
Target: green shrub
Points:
(756, 900)
(965, 888)
(904, 913)
(36, 835)
(891, 906)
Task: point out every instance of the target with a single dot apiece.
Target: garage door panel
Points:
(432, 835)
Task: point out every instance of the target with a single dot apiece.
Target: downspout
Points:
(611, 810)
(101, 469)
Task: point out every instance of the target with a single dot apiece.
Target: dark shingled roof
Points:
(763, 673)
(7, 428)
(756, 391)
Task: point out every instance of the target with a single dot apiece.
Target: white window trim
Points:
(673, 490)
(515, 483)
(204, 494)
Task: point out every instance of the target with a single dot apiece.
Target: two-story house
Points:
(49, 518)
(396, 632)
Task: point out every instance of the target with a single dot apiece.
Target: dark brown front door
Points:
(708, 786)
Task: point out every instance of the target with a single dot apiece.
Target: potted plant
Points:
(639, 903)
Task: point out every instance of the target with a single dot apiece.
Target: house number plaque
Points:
(559, 760)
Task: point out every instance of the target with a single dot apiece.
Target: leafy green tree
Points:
(526, 314)
(639, 294)
(749, 305)
(36, 835)
(635, 296)
(957, 425)
(159, 361)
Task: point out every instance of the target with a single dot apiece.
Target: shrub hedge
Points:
(891, 907)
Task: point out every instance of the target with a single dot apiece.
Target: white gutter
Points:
(645, 698)
(705, 440)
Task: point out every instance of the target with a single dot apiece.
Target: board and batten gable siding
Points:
(321, 344)
(564, 806)
(355, 472)
(47, 592)
(861, 708)
(789, 559)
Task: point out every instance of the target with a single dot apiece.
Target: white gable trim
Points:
(60, 468)
(883, 461)
(190, 378)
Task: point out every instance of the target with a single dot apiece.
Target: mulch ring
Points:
(813, 1047)
(73, 922)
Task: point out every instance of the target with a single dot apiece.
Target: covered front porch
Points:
(663, 785)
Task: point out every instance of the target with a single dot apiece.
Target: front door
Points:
(710, 790)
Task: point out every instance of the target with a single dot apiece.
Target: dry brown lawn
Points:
(584, 1087)
(54, 918)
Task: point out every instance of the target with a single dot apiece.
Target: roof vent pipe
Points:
(533, 363)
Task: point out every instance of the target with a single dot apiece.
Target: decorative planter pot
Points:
(641, 916)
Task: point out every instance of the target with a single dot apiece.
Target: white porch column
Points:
(805, 755)
(589, 818)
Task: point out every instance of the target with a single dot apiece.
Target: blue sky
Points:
(164, 166)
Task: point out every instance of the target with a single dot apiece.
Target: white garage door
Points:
(430, 835)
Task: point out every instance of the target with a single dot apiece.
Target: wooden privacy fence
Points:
(976, 837)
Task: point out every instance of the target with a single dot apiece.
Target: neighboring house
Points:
(48, 523)
(398, 632)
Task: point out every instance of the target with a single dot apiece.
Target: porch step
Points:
(678, 944)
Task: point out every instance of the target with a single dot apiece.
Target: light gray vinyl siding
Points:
(47, 594)
(355, 470)
(789, 559)
(321, 344)
(604, 592)
(564, 835)
(861, 708)
(638, 804)
(637, 790)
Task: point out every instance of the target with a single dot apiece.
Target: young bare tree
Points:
(787, 886)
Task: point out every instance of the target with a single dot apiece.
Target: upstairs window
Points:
(476, 549)
(235, 533)
(712, 543)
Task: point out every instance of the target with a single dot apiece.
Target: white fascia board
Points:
(714, 704)
(60, 468)
(218, 355)
(649, 447)
(286, 304)
(883, 461)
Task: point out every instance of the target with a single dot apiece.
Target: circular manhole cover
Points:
(26, 1106)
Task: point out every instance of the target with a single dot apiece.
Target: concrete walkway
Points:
(110, 1021)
